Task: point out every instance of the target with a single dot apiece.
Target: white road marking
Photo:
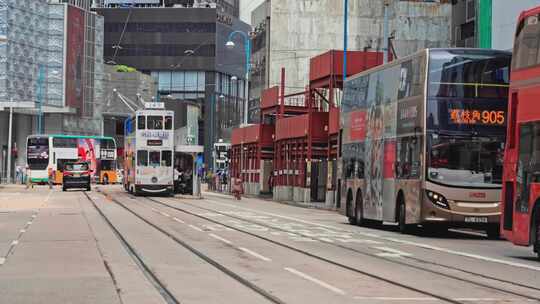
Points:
(22, 231)
(425, 246)
(316, 281)
(28, 223)
(196, 228)
(165, 214)
(253, 253)
(468, 232)
(393, 299)
(468, 255)
(2, 261)
(220, 238)
(34, 215)
(15, 242)
(48, 197)
(391, 252)
(154, 209)
(178, 220)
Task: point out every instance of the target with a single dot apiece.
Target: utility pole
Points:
(345, 36)
(386, 30)
(9, 144)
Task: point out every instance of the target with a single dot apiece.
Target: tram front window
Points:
(155, 122)
(142, 158)
(166, 158)
(466, 162)
(154, 158)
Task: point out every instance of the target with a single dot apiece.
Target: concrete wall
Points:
(301, 29)
(505, 14)
(246, 7)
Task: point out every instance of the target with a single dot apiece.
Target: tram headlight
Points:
(437, 199)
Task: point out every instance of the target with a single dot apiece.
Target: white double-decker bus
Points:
(149, 145)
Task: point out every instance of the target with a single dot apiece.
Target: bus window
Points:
(168, 122)
(527, 43)
(59, 142)
(154, 158)
(142, 158)
(141, 122)
(107, 143)
(166, 158)
(155, 122)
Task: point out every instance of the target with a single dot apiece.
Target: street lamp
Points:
(247, 48)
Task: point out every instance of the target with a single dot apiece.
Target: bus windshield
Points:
(466, 161)
(469, 74)
(38, 153)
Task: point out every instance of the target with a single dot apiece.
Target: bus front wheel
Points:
(402, 216)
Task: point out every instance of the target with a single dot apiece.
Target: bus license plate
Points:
(473, 219)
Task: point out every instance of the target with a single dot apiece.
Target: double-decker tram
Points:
(149, 145)
(520, 222)
(423, 138)
(53, 151)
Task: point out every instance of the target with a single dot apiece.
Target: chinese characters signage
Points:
(477, 117)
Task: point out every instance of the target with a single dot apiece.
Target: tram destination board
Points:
(154, 142)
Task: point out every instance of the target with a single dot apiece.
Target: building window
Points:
(470, 10)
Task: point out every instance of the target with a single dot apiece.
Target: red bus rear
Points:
(520, 222)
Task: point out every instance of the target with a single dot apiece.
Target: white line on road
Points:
(425, 246)
(391, 251)
(217, 237)
(22, 231)
(29, 223)
(2, 261)
(178, 220)
(316, 281)
(165, 214)
(468, 255)
(34, 215)
(15, 242)
(393, 299)
(196, 228)
(253, 253)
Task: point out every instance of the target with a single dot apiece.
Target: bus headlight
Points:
(437, 199)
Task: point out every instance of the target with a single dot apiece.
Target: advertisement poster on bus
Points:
(87, 151)
(358, 126)
(74, 58)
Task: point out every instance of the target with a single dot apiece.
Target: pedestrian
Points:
(177, 175)
(238, 188)
(18, 173)
(28, 178)
(271, 182)
(50, 177)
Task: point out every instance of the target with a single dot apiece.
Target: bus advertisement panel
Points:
(423, 140)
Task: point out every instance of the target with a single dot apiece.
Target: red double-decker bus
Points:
(521, 191)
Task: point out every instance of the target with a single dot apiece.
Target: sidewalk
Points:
(320, 206)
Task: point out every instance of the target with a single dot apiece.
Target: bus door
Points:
(527, 181)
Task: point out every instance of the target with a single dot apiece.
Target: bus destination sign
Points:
(477, 117)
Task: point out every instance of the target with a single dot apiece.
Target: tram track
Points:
(159, 285)
(439, 273)
(331, 262)
(161, 288)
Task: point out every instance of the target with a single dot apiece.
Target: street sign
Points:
(154, 105)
